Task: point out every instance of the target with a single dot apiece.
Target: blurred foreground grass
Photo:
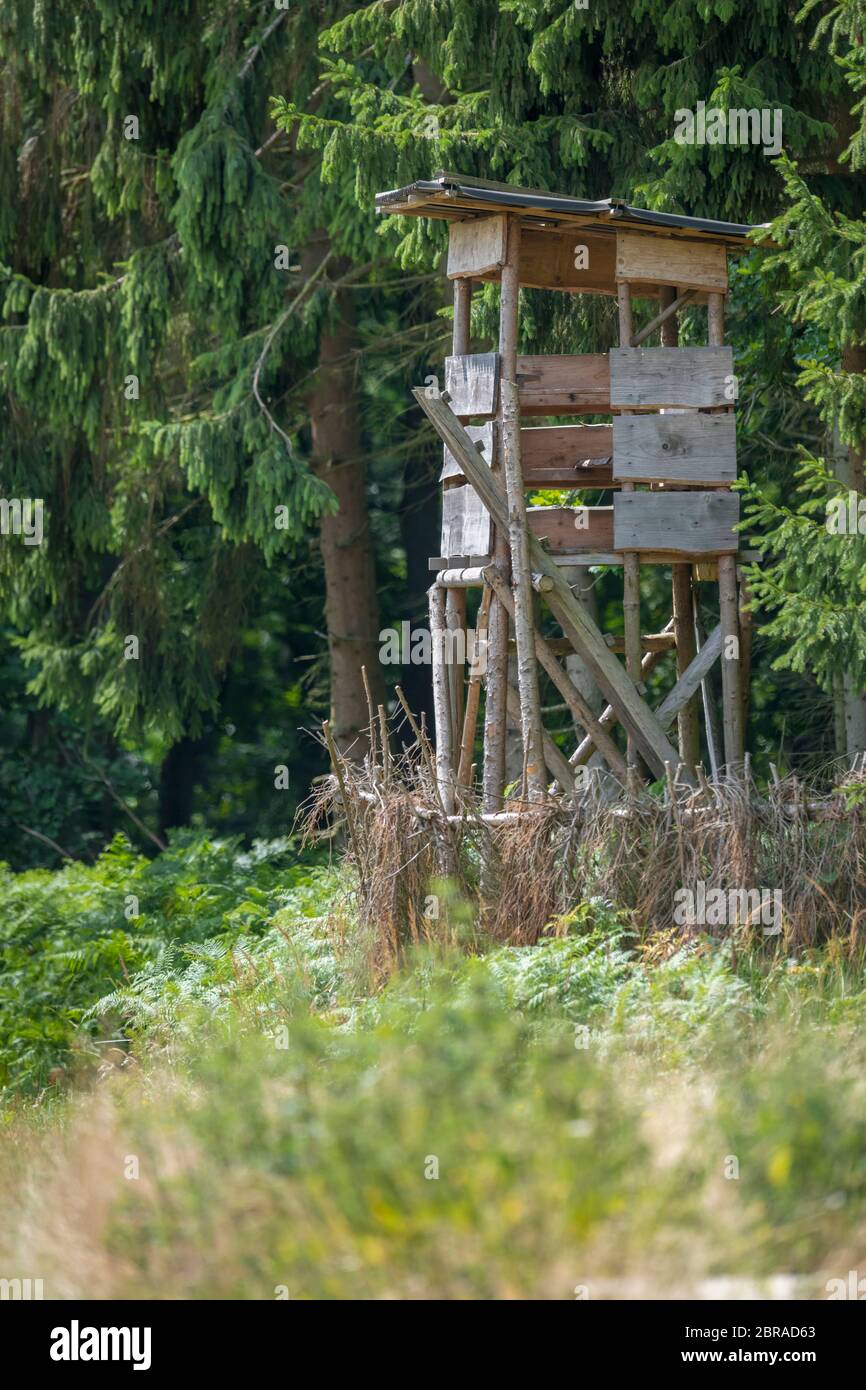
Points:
(585, 1117)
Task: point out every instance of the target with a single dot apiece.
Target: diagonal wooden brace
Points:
(674, 701)
(580, 710)
(635, 715)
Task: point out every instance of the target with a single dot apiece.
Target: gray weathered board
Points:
(465, 523)
(643, 258)
(690, 448)
(476, 247)
(472, 382)
(483, 435)
(686, 523)
(670, 376)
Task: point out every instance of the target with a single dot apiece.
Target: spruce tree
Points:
(187, 347)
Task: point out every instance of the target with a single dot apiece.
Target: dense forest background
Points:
(207, 344)
(232, 1065)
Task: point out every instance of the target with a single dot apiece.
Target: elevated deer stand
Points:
(668, 455)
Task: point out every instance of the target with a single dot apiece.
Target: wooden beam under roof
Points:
(452, 195)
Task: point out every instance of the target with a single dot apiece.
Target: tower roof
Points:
(456, 196)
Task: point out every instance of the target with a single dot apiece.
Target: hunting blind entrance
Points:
(667, 456)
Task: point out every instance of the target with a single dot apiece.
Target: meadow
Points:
(231, 1104)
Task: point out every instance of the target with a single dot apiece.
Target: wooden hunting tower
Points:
(667, 455)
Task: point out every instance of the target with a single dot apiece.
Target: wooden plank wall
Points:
(573, 530)
(567, 456)
(691, 448)
(465, 523)
(472, 384)
(576, 261)
(484, 437)
(650, 259)
(654, 378)
(594, 383)
(686, 523)
(476, 247)
(576, 384)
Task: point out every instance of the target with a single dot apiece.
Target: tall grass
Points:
(577, 1118)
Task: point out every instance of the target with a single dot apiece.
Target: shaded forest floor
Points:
(213, 1099)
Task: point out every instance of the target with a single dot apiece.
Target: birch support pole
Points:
(524, 621)
(473, 696)
(711, 713)
(455, 601)
(688, 728)
(441, 703)
(631, 562)
(496, 689)
(746, 628)
(732, 703)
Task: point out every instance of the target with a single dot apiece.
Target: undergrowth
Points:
(594, 1115)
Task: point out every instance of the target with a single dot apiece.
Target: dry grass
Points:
(635, 851)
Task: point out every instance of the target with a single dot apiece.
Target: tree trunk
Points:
(177, 779)
(849, 471)
(351, 607)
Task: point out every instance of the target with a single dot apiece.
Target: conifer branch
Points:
(283, 318)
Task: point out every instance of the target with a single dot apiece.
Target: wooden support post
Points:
(712, 729)
(473, 696)
(684, 628)
(521, 570)
(555, 759)
(746, 627)
(631, 562)
(441, 703)
(715, 320)
(732, 705)
(581, 712)
(609, 717)
(455, 621)
(462, 325)
(732, 700)
(455, 601)
(496, 684)
(688, 728)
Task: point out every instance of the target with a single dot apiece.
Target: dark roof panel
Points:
(453, 195)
